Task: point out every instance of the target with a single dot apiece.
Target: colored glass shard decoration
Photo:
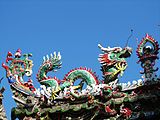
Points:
(91, 99)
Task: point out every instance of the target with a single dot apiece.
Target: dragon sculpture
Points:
(91, 99)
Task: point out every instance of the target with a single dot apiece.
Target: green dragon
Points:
(53, 63)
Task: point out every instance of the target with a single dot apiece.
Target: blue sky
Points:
(74, 27)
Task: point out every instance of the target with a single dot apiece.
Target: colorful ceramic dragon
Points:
(54, 90)
(113, 62)
(53, 63)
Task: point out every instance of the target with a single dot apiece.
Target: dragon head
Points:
(18, 65)
(50, 63)
(113, 61)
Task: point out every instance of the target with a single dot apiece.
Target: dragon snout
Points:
(127, 52)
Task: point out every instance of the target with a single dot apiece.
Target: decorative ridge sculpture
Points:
(91, 99)
(147, 55)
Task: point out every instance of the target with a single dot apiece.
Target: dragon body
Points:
(53, 63)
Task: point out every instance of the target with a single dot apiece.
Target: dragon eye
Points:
(113, 56)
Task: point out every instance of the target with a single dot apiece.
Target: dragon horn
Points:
(44, 59)
(47, 56)
(59, 55)
(51, 55)
(104, 49)
(54, 54)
